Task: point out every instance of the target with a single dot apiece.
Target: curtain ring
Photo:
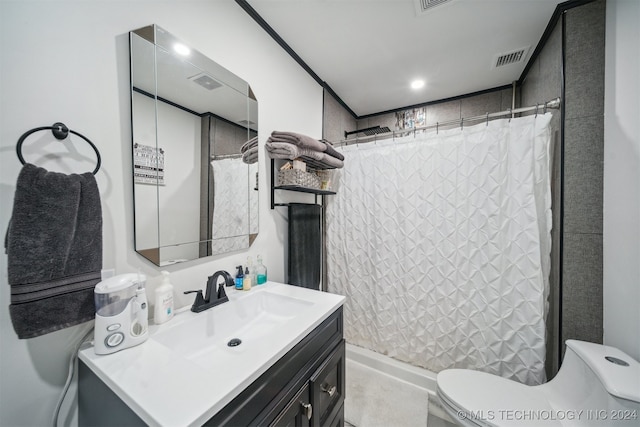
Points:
(487, 124)
(545, 108)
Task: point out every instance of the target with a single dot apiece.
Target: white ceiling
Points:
(368, 51)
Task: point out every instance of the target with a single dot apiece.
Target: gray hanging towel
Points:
(305, 245)
(54, 250)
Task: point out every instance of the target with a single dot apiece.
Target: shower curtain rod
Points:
(226, 156)
(554, 104)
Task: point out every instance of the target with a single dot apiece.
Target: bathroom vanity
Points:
(287, 370)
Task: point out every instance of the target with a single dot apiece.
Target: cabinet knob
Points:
(307, 410)
(329, 390)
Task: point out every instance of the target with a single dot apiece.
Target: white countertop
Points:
(169, 381)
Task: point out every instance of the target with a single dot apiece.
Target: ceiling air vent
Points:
(423, 6)
(510, 58)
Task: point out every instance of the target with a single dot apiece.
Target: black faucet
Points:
(215, 293)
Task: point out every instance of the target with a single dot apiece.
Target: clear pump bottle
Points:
(261, 272)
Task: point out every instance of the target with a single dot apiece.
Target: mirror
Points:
(195, 154)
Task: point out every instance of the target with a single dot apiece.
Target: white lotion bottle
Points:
(164, 300)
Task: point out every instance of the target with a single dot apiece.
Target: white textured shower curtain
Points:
(441, 244)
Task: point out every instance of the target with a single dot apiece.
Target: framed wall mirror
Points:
(195, 153)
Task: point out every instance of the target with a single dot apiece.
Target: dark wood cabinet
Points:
(298, 413)
(320, 402)
(303, 388)
(327, 388)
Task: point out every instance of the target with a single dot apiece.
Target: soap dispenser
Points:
(239, 278)
(252, 271)
(164, 300)
(247, 281)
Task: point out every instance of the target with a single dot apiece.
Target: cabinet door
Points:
(327, 387)
(299, 411)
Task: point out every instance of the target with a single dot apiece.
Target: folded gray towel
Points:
(298, 139)
(253, 142)
(284, 150)
(250, 156)
(332, 151)
(54, 249)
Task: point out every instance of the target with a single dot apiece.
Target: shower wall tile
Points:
(584, 170)
(480, 104)
(336, 119)
(582, 288)
(506, 96)
(550, 71)
(585, 32)
(544, 79)
(531, 86)
(442, 112)
(388, 120)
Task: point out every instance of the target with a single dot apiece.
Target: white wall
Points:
(621, 261)
(179, 137)
(68, 61)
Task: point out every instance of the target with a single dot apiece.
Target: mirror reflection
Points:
(195, 154)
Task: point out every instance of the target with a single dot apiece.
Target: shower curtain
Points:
(441, 243)
(235, 213)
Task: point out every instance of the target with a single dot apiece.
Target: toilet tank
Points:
(601, 381)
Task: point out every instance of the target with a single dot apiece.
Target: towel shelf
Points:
(60, 132)
(304, 190)
(296, 188)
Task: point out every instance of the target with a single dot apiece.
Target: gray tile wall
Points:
(336, 119)
(581, 264)
(584, 152)
(542, 83)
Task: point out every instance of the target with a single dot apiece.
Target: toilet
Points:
(596, 385)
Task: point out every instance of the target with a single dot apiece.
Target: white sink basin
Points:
(187, 364)
(251, 318)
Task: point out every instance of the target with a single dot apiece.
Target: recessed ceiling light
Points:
(417, 84)
(181, 49)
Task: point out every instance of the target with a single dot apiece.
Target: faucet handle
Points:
(199, 301)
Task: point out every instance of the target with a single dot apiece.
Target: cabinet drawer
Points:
(327, 387)
(297, 413)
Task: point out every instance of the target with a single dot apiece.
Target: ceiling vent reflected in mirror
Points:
(423, 6)
(205, 81)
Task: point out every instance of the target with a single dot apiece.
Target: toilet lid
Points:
(489, 400)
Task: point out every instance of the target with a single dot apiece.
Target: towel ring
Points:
(60, 132)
